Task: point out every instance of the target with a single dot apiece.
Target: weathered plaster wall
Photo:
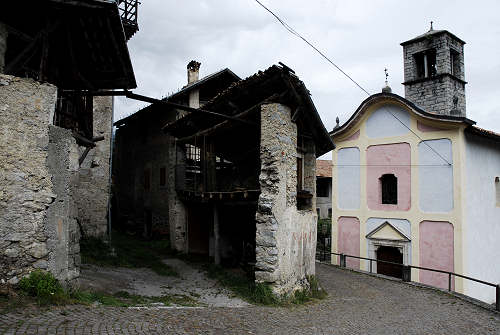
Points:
(482, 230)
(37, 213)
(435, 180)
(436, 252)
(285, 237)
(93, 191)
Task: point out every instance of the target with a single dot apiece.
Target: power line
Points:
(294, 32)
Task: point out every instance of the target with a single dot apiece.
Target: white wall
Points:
(382, 124)
(435, 176)
(348, 178)
(482, 217)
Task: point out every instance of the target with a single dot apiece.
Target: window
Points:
(455, 63)
(425, 64)
(389, 187)
(163, 176)
(318, 212)
(329, 212)
(192, 153)
(322, 185)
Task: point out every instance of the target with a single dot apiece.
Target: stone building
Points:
(141, 154)
(55, 57)
(240, 172)
(415, 181)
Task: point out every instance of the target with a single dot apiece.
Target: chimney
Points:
(193, 68)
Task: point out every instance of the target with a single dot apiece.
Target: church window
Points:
(389, 187)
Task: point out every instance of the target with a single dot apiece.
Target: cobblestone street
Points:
(357, 304)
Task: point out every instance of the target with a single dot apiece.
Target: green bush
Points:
(43, 286)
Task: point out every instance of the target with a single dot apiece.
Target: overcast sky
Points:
(362, 37)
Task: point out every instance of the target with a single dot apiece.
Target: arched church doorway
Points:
(389, 254)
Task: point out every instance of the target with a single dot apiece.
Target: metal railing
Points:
(406, 273)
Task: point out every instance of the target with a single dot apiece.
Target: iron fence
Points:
(406, 273)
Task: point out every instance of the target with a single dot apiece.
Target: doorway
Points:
(390, 254)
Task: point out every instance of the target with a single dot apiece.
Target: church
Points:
(415, 181)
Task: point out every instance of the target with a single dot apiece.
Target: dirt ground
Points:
(191, 282)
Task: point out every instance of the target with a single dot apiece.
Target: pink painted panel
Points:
(388, 159)
(348, 239)
(436, 252)
(425, 128)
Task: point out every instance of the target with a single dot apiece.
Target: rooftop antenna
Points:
(432, 28)
(386, 76)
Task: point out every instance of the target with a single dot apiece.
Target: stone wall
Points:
(285, 236)
(436, 95)
(37, 215)
(93, 191)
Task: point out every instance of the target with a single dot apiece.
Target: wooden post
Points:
(216, 236)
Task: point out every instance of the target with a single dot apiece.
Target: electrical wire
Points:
(294, 32)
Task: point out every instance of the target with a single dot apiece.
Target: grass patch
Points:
(127, 251)
(262, 293)
(42, 289)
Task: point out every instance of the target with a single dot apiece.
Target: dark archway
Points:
(389, 254)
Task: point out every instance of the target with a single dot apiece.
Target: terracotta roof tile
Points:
(323, 168)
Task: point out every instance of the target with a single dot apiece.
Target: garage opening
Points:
(390, 254)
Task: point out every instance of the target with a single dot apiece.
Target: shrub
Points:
(43, 286)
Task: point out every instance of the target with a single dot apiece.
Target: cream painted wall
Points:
(444, 130)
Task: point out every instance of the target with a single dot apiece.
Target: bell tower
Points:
(434, 76)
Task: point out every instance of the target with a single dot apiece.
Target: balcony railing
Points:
(128, 14)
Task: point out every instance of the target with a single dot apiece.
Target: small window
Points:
(318, 212)
(389, 187)
(147, 180)
(455, 63)
(163, 176)
(329, 212)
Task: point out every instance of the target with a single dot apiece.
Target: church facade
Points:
(415, 181)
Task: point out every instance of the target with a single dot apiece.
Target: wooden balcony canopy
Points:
(76, 45)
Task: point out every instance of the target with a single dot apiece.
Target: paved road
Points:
(357, 304)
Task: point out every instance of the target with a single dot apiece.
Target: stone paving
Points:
(357, 304)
